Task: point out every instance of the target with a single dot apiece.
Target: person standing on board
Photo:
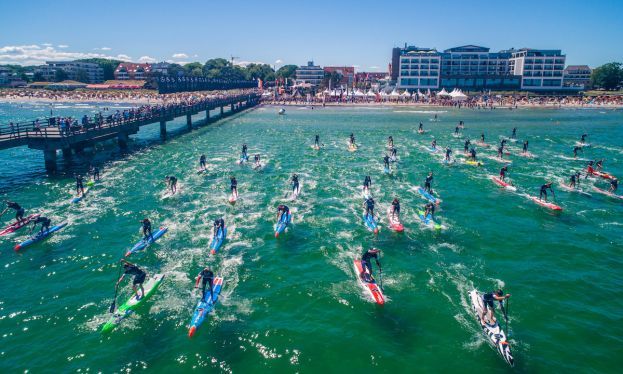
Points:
(448, 153)
(543, 191)
(395, 208)
(146, 225)
(429, 208)
(219, 224)
(19, 211)
(488, 304)
(317, 141)
(525, 147)
(514, 134)
(233, 185)
(466, 146)
(614, 184)
(171, 183)
(352, 139)
(257, 160)
(202, 162)
(420, 128)
(583, 138)
(207, 277)
(574, 180)
(390, 142)
(244, 152)
(386, 162)
(139, 277)
(575, 151)
(295, 184)
(427, 182)
(366, 263)
(79, 185)
(369, 206)
(367, 182)
(503, 172)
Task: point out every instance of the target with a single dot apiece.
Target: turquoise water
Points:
(293, 304)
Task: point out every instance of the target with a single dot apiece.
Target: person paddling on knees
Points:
(282, 211)
(488, 301)
(45, 224)
(429, 208)
(207, 277)
(219, 224)
(171, 183)
(139, 277)
(366, 264)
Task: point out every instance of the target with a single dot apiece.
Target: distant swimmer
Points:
(428, 181)
(281, 210)
(575, 151)
(429, 208)
(44, 221)
(514, 134)
(257, 160)
(146, 225)
(367, 183)
(206, 277)
(395, 208)
(488, 300)
(202, 162)
(233, 185)
(369, 205)
(79, 184)
(366, 263)
(583, 138)
(420, 128)
(139, 277)
(614, 184)
(219, 225)
(466, 145)
(171, 183)
(295, 184)
(503, 172)
(448, 153)
(19, 211)
(543, 191)
(574, 180)
(525, 147)
(317, 141)
(390, 142)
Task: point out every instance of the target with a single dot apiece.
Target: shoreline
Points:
(440, 107)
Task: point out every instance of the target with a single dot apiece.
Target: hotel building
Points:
(132, 71)
(311, 74)
(577, 76)
(540, 69)
(473, 67)
(73, 69)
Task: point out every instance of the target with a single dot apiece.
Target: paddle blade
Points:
(112, 306)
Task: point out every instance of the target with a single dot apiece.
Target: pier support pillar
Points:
(66, 153)
(207, 115)
(189, 122)
(231, 109)
(222, 111)
(163, 130)
(122, 139)
(50, 159)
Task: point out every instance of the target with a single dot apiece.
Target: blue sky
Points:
(360, 33)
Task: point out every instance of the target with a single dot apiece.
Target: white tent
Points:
(394, 93)
(406, 94)
(326, 91)
(370, 93)
(383, 94)
(359, 93)
(457, 95)
(443, 93)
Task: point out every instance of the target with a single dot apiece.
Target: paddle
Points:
(114, 301)
(381, 279)
(505, 311)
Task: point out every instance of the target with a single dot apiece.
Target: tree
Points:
(287, 71)
(190, 67)
(82, 76)
(175, 70)
(261, 71)
(60, 75)
(196, 72)
(332, 79)
(608, 76)
(219, 68)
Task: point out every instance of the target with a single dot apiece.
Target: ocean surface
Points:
(293, 304)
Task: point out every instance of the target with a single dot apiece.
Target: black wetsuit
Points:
(525, 146)
(207, 277)
(466, 146)
(575, 179)
(219, 224)
(503, 172)
(386, 161)
(472, 154)
(202, 161)
(543, 191)
(488, 300)
(366, 261)
(427, 182)
(614, 184)
(369, 204)
(429, 209)
(367, 182)
(19, 211)
(139, 275)
(583, 139)
(514, 132)
(448, 153)
(317, 140)
(421, 128)
(79, 184)
(396, 206)
(233, 185)
(295, 183)
(575, 151)
(147, 230)
(244, 151)
(44, 221)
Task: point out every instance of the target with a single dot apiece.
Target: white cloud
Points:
(279, 61)
(146, 59)
(245, 63)
(47, 44)
(373, 67)
(62, 46)
(180, 55)
(356, 66)
(38, 54)
(102, 49)
(123, 57)
(195, 55)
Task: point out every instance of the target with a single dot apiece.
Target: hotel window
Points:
(404, 61)
(548, 67)
(404, 82)
(551, 82)
(532, 82)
